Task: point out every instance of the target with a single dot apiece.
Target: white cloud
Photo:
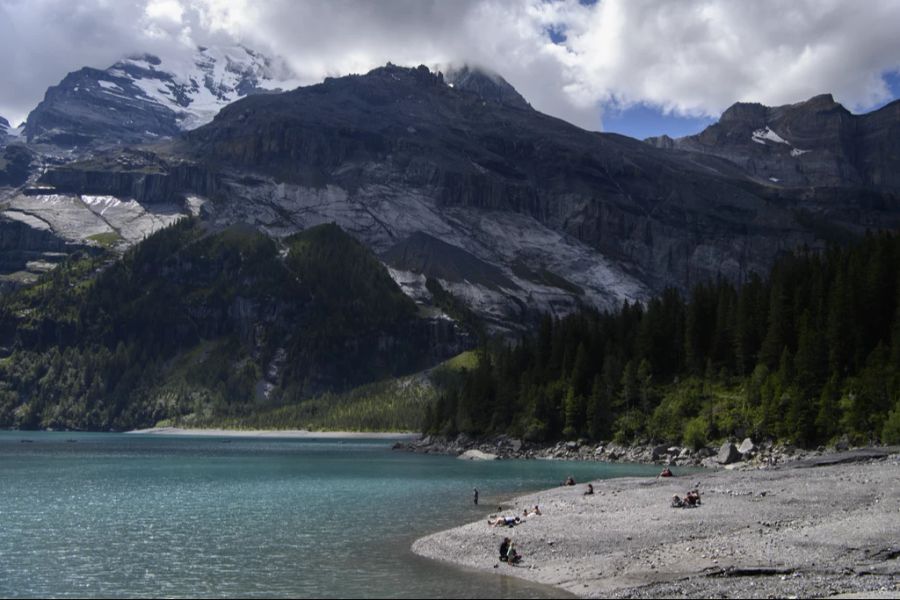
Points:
(697, 57)
(693, 57)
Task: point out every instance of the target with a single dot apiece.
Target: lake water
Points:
(86, 515)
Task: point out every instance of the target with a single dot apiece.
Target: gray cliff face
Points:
(4, 131)
(816, 143)
(141, 99)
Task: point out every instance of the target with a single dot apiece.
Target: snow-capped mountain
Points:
(145, 98)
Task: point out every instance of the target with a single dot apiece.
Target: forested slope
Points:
(217, 324)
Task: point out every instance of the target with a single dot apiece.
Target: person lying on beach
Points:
(534, 512)
(590, 490)
(509, 521)
(677, 502)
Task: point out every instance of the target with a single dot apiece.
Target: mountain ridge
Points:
(813, 143)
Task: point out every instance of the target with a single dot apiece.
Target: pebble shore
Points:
(817, 527)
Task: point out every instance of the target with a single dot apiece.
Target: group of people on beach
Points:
(513, 520)
(690, 500)
(508, 552)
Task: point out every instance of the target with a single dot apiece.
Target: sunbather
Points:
(507, 521)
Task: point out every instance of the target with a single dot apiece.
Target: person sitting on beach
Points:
(677, 502)
(667, 472)
(692, 499)
(513, 557)
(590, 490)
(504, 549)
(535, 512)
(569, 480)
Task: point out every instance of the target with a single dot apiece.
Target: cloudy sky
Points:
(640, 67)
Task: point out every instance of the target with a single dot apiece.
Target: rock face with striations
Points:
(143, 99)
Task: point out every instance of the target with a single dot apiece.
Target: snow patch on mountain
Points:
(80, 219)
(196, 89)
(761, 135)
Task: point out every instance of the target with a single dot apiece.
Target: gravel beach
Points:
(821, 527)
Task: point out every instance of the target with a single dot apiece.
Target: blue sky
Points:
(642, 121)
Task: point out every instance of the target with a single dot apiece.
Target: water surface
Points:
(133, 515)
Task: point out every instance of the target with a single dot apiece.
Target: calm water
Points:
(126, 515)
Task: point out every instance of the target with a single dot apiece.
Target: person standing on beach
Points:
(475, 496)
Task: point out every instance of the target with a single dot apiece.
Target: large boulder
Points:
(659, 452)
(728, 454)
(747, 447)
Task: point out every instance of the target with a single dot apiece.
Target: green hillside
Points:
(217, 324)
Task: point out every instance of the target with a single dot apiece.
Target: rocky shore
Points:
(746, 454)
(817, 527)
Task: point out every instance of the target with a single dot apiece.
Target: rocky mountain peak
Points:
(488, 85)
(744, 112)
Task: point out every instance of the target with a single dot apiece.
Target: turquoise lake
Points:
(88, 515)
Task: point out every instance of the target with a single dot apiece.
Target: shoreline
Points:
(274, 433)
(747, 455)
(817, 527)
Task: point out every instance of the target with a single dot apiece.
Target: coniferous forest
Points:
(807, 355)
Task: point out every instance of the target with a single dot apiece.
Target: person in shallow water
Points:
(475, 495)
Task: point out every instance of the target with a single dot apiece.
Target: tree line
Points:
(808, 354)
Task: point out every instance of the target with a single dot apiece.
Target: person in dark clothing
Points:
(590, 490)
(504, 549)
(475, 496)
